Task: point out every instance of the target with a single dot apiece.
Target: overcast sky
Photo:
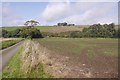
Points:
(50, 13)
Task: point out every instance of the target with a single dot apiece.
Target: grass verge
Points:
(14, 70)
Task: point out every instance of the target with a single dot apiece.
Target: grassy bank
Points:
(6, 44)
(14, 70)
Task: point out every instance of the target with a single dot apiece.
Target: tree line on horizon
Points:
(94, 31)
(26, 32)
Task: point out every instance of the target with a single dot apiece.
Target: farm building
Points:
(62, 24)
(71, 24)
(65, 24)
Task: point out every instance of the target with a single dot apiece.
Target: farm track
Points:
(6, 54)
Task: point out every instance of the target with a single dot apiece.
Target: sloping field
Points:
(7, 39)
(65, 58)
(63, 29)
(7, 42)
(53, 29)
(93, 58)
(19, 27)
(10, 28)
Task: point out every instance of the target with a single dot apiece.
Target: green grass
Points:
(38, 27)
(11, 28)
(77, 46)
(0, 75)
(13, 69)
(45, 27)
(6, 44)
(42, 28)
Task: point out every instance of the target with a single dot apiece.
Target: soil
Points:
(67, 66)
(62, 29)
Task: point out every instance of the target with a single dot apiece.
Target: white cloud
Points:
(97, 14)
(59, 0)
(77, 12)
(55, 11)
(80, 12)
(9, 18)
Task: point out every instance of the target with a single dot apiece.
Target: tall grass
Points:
(14, 69)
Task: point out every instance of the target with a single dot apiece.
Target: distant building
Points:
(65, 24)
(71, 24)
(62, 24)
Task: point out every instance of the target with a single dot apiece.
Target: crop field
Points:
(53, 29)
(5, 39)
(65, 58)
(8, 42)
(75, 46)
(19, 27)
(97, 56)
(11, 28)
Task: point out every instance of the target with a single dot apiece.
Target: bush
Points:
(94, 31)
(26, 32)
(97, 30)
(30, 32)
(4, 33)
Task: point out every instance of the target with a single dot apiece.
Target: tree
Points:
(30, 32)
(4, 33)
(31, 23)
(15, 33)
(97, 30)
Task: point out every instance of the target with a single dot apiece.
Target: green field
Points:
(42, 28)
(17, 27)
(95, 53)
(76, 46)
(11, 28)
(8, 43)
(46, 27)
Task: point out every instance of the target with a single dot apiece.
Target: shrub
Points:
(26, 32)
(30, 32)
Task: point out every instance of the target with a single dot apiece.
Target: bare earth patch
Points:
(65, 66)
(83, 67)
(62, 29)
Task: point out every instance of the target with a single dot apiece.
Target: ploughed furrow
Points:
(54, 64)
